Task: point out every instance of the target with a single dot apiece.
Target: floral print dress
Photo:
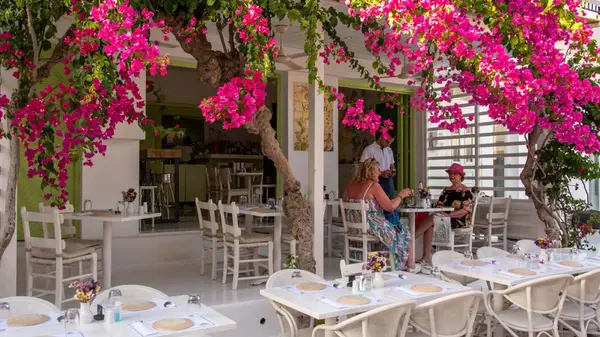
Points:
(396, 239)
(461, 198)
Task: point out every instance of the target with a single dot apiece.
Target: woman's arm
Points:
(466, 206)
(383, 200)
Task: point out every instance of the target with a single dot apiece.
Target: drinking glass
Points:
(114, 295)
(256, 200)
(468, 255)
(243, 201)
(516, 250)
(194, 302)
(573, 252)
(4, 310)
(71, 322)
(271, 203)
(435, 274)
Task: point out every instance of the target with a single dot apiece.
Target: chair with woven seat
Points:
(461, 238)
(495, 223)
(226, 182)
(53, 252)
(356, 231)
(211, 238)
(234, 242)
(583, 296)
(536, 301)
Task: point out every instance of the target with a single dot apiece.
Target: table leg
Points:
(411, 224)
(330, 321)
(498, 304)
(107, 255)
(249, 223)
(277, 244)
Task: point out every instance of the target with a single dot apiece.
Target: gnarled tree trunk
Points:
(10, 201)
(217, 67)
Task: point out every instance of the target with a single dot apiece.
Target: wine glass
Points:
(4, 310)
(516, 250)
(468, 255)
(436, 273)
(271, 203)
(243, 201)
(194, 302)
(114, 295)
(71, 322)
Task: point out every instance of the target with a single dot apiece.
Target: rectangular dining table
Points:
(312, 303)
(124, 329)
(412, 212)
(107, 221)
(500, 271)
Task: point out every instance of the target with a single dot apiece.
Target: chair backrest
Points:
(498, 211)
(68, 229)
(478, 199)
(130, 292)
(225, 177)
(585, 288)
(447, 316)
(21, 305)
(54, 218)
(354, 215)
(449, 256)
(485, 252)
(544, 295)
(209, 222)
(224, 210)
(388, 321)
(288, 277)
(352, 268)
(528, 246)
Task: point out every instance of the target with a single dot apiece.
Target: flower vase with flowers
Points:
(129, 197)
(543, 244)
(85, 291)
(376, 263)
(425, 197)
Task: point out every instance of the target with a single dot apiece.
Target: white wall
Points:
(299, 159)
(8, 264)
(117, 171)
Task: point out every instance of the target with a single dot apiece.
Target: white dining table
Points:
(263, 212)
(107, 221)
(412, 212)
(496, 271)
(312, 303)
(124, 329)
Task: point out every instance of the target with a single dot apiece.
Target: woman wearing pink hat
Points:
(457, 196)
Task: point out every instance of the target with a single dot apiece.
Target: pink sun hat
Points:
(456, 168)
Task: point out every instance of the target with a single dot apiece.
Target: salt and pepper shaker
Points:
(355, 287)
(109, 315)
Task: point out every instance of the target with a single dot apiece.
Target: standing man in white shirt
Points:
(380, 150)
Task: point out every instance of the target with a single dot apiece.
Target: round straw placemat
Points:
(173, 324)
(138, 305)
(426, 288)
(570, 264)
(386, 277)
(353, 300)
(514, 256)
(27, 320)
(520, 271)
(474, 263)
(310, 286)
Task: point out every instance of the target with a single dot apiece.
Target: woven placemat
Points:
(514, 256)
(27, 320)
(426, 288)
(173, 324)
(310, 286)
(386, 277)
(138, 305)
(570, 264)
(521, 271)
(260, 209)
(474, 263)
(353, 300)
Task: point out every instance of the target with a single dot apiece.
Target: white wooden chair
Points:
(528, 246)
(53, 252)
(448, 316)
(535, 300)
(486, 252)
(235, 241)
(363, 237)
(388, 321)
(22, 305)
(495, 222)
(454, 239)
(347, 270)
(583, 296)
(228, 191)
(131, 292)
(213, 184)
(211, 238)
(288, 318)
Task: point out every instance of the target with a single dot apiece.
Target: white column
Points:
(315, 162)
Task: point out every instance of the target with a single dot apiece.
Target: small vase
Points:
(85, 314)
(544, 256)
(129, 210)
(378, 281)
(424, 203)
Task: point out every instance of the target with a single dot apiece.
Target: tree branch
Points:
(220, 30)
(58, 55)
(34, 43)
(231, 35)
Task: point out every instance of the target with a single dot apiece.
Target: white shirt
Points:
(385, 157)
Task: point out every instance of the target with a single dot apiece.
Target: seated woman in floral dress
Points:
(460, 198)
(365, 186)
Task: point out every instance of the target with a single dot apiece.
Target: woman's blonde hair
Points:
(368, 171)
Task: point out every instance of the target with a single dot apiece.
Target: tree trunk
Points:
(533, 189)
(10, 201)
(296, 207)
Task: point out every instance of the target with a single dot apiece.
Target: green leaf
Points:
(46, 45)
(548, 5)
(210, 2)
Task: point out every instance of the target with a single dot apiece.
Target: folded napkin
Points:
(334, 303)
(144, 328)
(406, 289)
